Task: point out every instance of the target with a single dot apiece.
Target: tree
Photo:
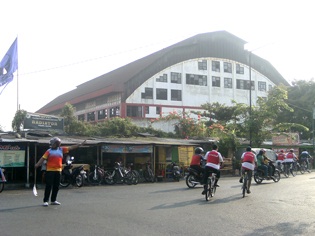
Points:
(301, 97)
(71, 124)
(18, 120)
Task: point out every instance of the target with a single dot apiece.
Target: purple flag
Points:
(9, 64)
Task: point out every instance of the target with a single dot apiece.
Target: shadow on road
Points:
(18, 208)
(288, 229)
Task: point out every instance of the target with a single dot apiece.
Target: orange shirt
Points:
(54, 158)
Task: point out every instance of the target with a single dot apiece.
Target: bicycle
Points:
(2, 179)
(281, 166)
(148, 173)
(245, 186)
(305, 166)
(288, 168)
(97, 176)
(210, 186)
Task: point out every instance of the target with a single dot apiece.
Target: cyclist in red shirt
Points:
(248, 164)
(280, 158)
(214, 161)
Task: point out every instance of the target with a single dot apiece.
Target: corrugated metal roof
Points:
(126, 79)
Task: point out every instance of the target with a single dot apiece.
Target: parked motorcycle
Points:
(74, 176)
(259, 175)
(175, 171)
(193, 178)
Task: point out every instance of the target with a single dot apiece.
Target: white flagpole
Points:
(17, 79)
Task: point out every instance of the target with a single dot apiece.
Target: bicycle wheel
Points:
(293, 169)
(128, 178)
(1, 186)
(108, 178)
(286, 170)
(244, 185)
(303, 167)
(94, 178)
(148, 176)
(208, 190)
(135, 177)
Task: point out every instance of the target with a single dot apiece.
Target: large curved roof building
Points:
(206, 68)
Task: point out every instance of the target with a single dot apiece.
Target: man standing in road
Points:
(54, 156)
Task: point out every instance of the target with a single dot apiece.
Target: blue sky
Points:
(62, 44)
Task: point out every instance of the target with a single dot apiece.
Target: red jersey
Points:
(290, 155)
(195, 160)
(281, 156)
(213, 157)
(249, 157)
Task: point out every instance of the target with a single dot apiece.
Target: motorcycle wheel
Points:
(94, 180)
(109, 179)
(64, 181)
(79, 180)
(276, 176)
(257, 179)
(189, 179)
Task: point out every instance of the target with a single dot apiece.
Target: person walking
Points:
(54, 157)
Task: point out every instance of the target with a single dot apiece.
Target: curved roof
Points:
(126, 79)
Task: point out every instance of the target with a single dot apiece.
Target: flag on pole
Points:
(9, 65)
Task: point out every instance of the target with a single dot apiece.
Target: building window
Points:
(114, 111)
(228, 83)
(262, 86)
(269, 87)
(216, 66)
(239, 69)
(176, 95)
(158, 110)
(146, 110)
(162, 78)
(244, 84)
(81, 117)
(215, 81)
(148, 93)
(102, 114)
(91, 116)
(134, 111)
(227, 67)
(176, 78)
(161, 94)
(196, 79)
(202, 65)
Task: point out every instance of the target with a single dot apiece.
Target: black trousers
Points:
(52, 185)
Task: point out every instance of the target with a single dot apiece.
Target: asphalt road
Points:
(167, 208)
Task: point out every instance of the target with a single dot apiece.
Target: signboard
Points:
(127, 148)
(12, 156)
(286, 139)
(42, 121)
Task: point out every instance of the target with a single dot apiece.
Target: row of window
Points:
(227, 66)
(101, 114)
(137, 111)
(176, 95)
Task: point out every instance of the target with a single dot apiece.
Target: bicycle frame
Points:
(210, 186)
